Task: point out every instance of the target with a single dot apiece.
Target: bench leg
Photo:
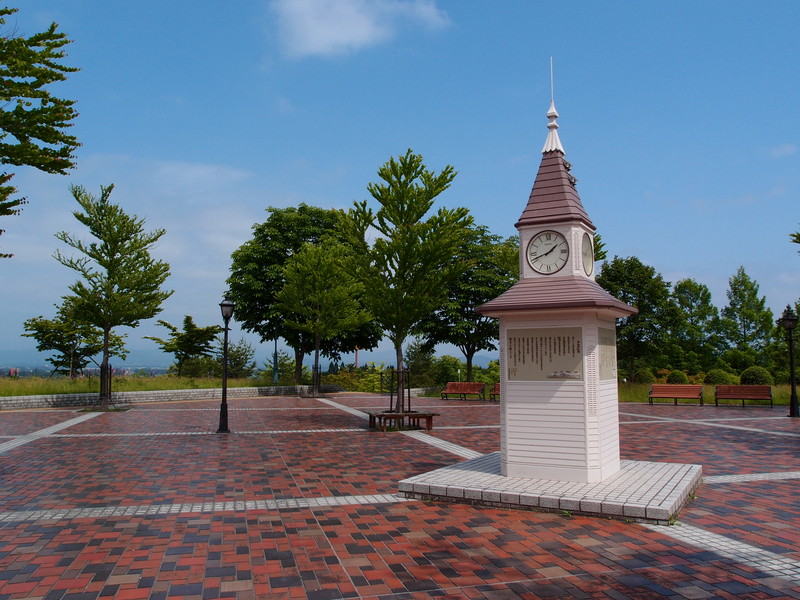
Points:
(428, 423)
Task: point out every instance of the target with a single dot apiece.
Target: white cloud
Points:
(783, 150)
(335, 27)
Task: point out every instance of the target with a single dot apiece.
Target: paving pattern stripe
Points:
(353, 411)
(740, 552)
(180, 433)
(712, 479)
(443, 445)
(25, 439)
(417, 435)
(97, 512)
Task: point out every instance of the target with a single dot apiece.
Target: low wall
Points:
(76, 400)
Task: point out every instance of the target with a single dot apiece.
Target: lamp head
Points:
(227, 306)
(789, 319)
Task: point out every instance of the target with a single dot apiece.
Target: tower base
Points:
(640, 491)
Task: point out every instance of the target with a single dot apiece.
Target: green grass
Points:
(33, 386)
(637, 392)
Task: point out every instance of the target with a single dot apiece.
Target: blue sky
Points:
(680, 118)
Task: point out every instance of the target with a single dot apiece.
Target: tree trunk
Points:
(315, 374)
(469, 355)
(298, 366)
(401, 380)
(105, 375)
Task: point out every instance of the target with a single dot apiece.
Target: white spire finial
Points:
(553, 142)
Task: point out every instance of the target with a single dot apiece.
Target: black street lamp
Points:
(789, 321)
(226, 306)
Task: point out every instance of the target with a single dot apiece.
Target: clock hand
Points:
(551, 249)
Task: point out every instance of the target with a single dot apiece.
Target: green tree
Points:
(419, 359)
(490, 266)
(600, 252)
(639, 336)
(33, 122)
(778, 350)
(257, 275)
(241, 363)
(795, 238)
(746, 322)
(285, 370)
(320, 296)
(448, 368)
(409, 266)
(694, 342)
(192, 342)
(8, 206)
(73, 343)
(121, 281)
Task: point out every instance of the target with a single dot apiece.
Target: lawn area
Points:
(637, 392)
(33, 386)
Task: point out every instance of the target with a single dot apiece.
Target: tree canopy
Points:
(641, 335)
(490, 265)
(320, 296)
(33, 122)
(409, 265)
(120, 281)
(746, 322)
(73, 343)
(257, 275)
(192, 342)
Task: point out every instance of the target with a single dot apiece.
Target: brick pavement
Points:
(298, 502)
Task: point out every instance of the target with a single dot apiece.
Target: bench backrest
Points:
(747, 392)
(676, 390)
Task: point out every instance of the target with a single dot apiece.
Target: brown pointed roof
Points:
(553, 198)
(548, 293)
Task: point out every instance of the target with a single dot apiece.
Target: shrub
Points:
(720, 377)
(677, 376)
(644, 376)
(756, 376)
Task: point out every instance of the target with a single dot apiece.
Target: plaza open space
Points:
(300, 501)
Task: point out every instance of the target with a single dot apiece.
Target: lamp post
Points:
(226, 306)
(789, 321)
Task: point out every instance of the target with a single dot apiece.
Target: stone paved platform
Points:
(641, 491)
(301, 501)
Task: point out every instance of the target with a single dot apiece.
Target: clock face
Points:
(548, 252)
(587, 254)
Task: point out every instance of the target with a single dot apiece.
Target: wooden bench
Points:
(462, 389)
(495, 393)
(742, 392)
(675, 391)
(378, 419)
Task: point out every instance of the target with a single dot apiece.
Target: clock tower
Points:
(559, 416)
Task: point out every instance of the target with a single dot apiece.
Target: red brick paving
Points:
(404, 550)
